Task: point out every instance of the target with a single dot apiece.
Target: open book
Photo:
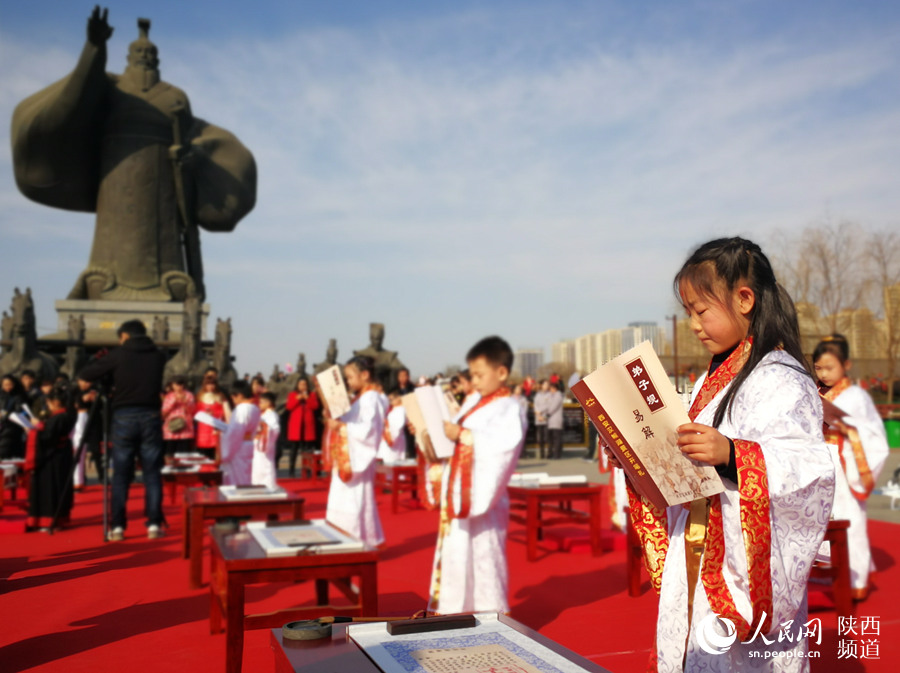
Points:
(333, 391)
(208, 419)
(427, 407)
(634, 406)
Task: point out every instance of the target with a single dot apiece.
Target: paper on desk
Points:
(398, 654)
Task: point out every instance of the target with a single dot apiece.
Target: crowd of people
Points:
(794, 446)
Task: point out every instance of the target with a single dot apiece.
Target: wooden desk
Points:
(400, 479)
(203, 504)
(237, 560)
(838, 570)
(558, 500)
(339, 653)
(172, 480)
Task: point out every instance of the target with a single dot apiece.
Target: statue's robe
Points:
(97, 142)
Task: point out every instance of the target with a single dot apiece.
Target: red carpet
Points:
(70, 602)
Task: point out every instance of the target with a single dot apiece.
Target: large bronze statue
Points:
(23, 353)
(387, 364)
(330, 357)
(128, 148)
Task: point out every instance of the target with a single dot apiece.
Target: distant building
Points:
(586, 353)
(528, 361)
(563, 352)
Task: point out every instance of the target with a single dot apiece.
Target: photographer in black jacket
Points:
(137, 371)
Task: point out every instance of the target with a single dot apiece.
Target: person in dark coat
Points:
(12, 436)
(49, 456)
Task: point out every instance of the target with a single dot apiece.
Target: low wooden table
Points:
(203, 504)
(237, 560)
(556, 499)
(399, 479)
(172, 480)
(339, 653)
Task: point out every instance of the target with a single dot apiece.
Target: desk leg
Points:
(298, 511)
(532, 525)
(234, 625)
(368, 591)
(321, 592)
(195, 532)
(395, 492)
(840, 563)
(185, 532)
(172, 486)
(596, 505)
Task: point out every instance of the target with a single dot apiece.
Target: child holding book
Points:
(470, 571)
(353, 443)
(392, 448)
(859, 448)
(49, 455)
(264, 470)
(743, 555)
(237, 441)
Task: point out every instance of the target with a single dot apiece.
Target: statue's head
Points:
(376, 335)
(331, 353)
(143, 56)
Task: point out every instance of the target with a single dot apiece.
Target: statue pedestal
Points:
(103, 318)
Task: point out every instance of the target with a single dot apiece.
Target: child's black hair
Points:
(836, 344)
(269, 396)
(242, 388)
(721, 266)
(363, 363)
(493, 349)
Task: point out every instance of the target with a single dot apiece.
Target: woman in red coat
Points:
(301, 427)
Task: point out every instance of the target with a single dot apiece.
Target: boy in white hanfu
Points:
(264, 468)
(237, 442)
(393, 440)
(470, 571)
(353, 445)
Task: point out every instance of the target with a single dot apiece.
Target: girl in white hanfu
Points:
(855, 434)
(731, 570)
(264, 444)
(237, 441)
(470, 572)
(354, 440)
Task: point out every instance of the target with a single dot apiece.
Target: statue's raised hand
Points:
(98, 30)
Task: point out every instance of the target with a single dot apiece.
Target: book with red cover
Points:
(636, 410)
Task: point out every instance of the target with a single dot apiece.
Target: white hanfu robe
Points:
(862, 415)
(77, 433)
(470, 572)
(237, 445)
(395, 450)
(264, 445)
(785, 491)
(351, 505)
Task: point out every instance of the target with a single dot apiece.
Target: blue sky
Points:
(454, 169)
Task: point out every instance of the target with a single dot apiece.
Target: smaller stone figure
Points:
(160, 332)
(189, 361)
(387, 364)
(222, 354)
(330, 357)
(24, 354)
(75, 357)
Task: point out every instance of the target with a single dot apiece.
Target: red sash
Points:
(835, 436)
(338, 449)
(461, 462)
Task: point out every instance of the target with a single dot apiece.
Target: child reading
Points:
(353, 444)
(237, 442)
(470, 571)
(264, 471)
(392, 448)
(859, 448)
(743, 555)
(49, 454)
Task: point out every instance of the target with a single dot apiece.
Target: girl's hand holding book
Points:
(703, 443)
